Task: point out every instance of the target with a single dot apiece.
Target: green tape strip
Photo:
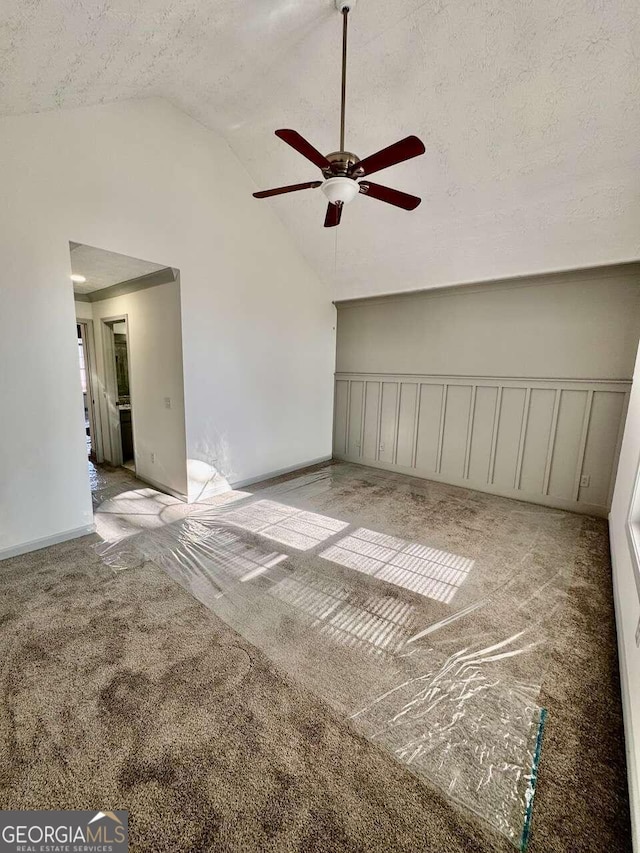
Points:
(526, 830)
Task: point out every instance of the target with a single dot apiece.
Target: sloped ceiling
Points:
(104, 269)
(530, 113)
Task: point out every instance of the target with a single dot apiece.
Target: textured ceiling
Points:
(102, 268)
(530, 113)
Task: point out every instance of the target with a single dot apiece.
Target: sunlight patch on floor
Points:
(379, 623)
(418, 568)
(297, 528)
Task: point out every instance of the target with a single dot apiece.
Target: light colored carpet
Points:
(121, 691)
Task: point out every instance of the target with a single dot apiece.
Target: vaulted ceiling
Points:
(102, 269)
(530, 113)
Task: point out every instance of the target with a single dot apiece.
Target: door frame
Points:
(110, 390)
(87, 335)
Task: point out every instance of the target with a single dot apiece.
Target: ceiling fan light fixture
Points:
(340, 190)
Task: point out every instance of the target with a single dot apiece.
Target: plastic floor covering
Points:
(422, 612)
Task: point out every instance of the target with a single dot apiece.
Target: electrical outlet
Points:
(167, 402)
(382, 448)
(585, 480)
(153, 457)
(638, 635)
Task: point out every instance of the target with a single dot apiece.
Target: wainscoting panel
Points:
(566, 445)
(406, 424)
(508, 443)
(456, 429)
(388, 422)
(430, 413)
(371, 409)
(553, 442)
(341, 417)
(354, 434)
(484, 415)
(607, 409)
(537, 439)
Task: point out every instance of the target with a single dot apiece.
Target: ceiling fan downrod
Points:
(344, 7)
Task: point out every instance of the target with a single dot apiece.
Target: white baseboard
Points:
(46, 541)
(162, 488)
(632, 770)
(268, 475)
(219, 485)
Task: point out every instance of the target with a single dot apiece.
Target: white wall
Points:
(84, 310)
(142, 179)
(577, 325)
(627, 595)
(155, 372)
(517, 388)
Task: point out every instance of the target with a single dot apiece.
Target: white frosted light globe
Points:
(340, 189)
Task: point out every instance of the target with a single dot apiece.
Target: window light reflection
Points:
(419, 568)
(285, 524)
(380, 623)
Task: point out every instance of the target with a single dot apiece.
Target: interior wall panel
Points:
(484, 416)
(531, 439)
(406, 424)
(537, 440)
(456, 424)
(575, 325)
(340, 416)
(430, 407)
(388, 418)
(517, 387)
(371, 420)
(356, 400)
(566, 445)
(607, 411)
(511, 414)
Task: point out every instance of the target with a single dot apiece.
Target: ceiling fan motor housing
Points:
(342, 163)
(340, 190)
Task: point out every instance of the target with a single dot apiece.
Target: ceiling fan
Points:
(341, 169)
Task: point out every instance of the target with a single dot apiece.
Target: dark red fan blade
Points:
(407, 148)
(334, 212)
(293, 138)
(395, 197)
(292, 188)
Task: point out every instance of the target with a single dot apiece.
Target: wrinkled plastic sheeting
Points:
(105, 487)
(437, 657)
